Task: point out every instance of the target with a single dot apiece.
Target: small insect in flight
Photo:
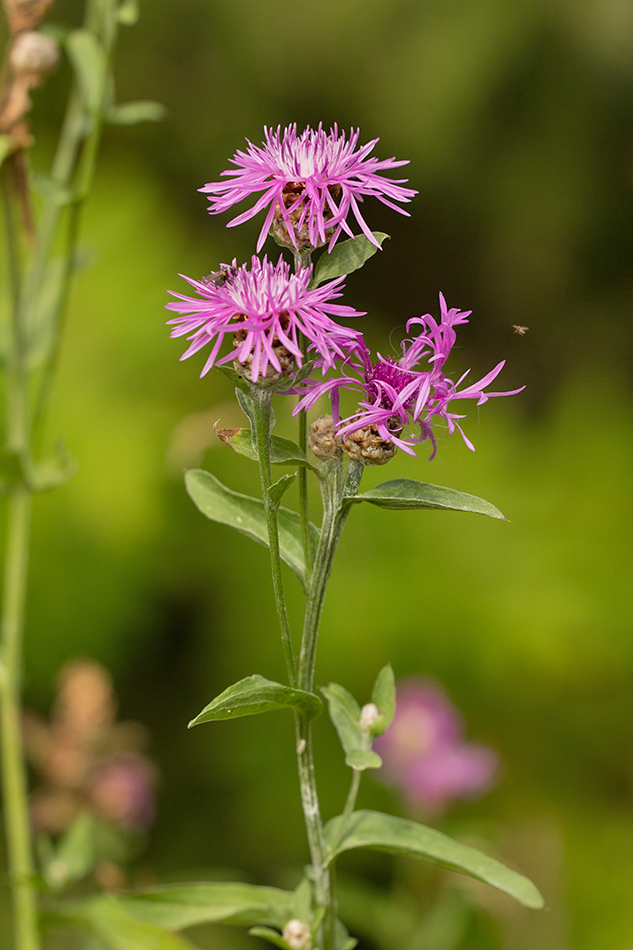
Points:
(520, 330)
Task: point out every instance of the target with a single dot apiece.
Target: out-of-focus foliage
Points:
(518, 120)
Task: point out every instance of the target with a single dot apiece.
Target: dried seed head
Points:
(26, 14)
(369, 715)
(297, 934)
(33, 56)
(367, 446)
(323, 440)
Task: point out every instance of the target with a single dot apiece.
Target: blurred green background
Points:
(518, 121)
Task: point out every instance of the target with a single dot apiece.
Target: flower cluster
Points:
(424, 754)
(309, 183)
(396, 393)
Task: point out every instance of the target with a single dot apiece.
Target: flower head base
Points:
(397, 393)
(424, 754)
(265, 310)
(309, 183)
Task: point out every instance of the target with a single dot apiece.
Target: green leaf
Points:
(175, 906)
(346, 257)
(278, 489)
(247, 516)
(361, 759)
(401, 494)
(345, 714)
(54, 471)
(52, 190)
(6, 147)
(272, 936)
(108, 918)
(370, 829)
(36, 476)
(282, 451)
(131, 113)
(75, 855)
(128, 12)
(240, 382)
(88, 59)
(245, 401)
(384, 696)
(255, 694)
(342, 939)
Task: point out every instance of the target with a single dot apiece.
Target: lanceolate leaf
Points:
(282, 451)
(278, 489)
(247, 516)
(131, 113)
(345, 714)
(370, 829)
(403, 493)
(254, 695)
(346, 257)
(109, 920)
(384, 696)
(75, 854)
(175, 906)
(88, 59)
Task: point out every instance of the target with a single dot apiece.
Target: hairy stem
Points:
(262, 404)
(335, 511)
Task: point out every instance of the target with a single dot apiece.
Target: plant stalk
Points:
(262, 404)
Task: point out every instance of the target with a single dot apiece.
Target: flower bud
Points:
(323, 440)
(297, 934)
(367, 446)
(25, 14)
(33, 56)
(369, 715)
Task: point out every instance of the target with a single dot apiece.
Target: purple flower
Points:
(396, 393)
(309, 183)
(423, 751)
(264, 309)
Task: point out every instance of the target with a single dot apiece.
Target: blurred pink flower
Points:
(122, 791)
(423, 751)
(309, 183)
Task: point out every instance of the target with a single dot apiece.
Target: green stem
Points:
(14, 785)
(73, 170)
(304, 260)
(335, 511)
(262, 404)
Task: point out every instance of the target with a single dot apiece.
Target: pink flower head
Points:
(311, 181)
(264, 309)
(396, 393)
(122, 791)
(423, 751)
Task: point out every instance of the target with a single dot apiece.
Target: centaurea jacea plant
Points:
(396, 395)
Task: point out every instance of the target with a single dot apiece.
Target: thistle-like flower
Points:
(309, 183)
(397, 393)
(266, 310)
